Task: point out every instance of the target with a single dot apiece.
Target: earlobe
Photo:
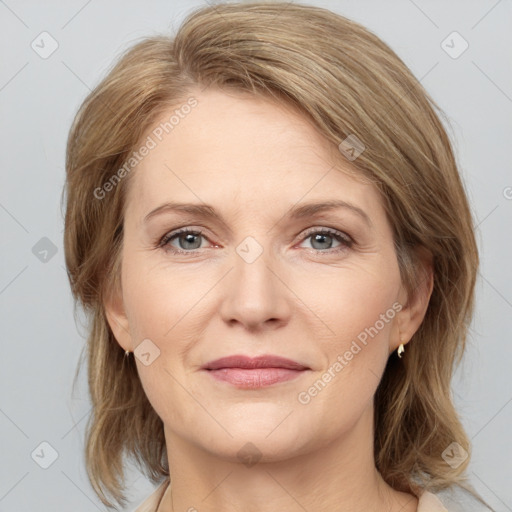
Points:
(117, 320)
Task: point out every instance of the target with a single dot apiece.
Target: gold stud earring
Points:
(400, 350)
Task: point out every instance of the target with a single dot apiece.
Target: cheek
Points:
(351, 300)
(167, 307)
(158, 298)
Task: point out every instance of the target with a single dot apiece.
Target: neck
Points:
(341, 476)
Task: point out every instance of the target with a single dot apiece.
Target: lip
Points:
(254, 372)
(251, 363)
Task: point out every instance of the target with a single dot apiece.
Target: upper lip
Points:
(247, 362)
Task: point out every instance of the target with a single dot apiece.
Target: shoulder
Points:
(451, 499)
(151, 503)
(428, 502)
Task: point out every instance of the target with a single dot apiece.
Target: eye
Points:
(322, 239)
(188, 240)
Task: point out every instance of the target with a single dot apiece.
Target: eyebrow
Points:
(298, 212)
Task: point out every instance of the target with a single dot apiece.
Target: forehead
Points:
(242, 151)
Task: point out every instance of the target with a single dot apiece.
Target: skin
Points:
(253, 161)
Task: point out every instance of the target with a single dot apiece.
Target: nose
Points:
(255, 294)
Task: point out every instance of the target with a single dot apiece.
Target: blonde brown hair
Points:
(346, 81)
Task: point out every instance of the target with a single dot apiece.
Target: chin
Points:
(267, 438)
(252, 449)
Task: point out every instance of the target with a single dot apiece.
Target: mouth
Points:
(254, 372)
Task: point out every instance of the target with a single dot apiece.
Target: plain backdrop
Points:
(41, 87)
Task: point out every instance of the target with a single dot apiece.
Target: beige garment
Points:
(151, 503)
(427, 502)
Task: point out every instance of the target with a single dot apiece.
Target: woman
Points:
(230, 353)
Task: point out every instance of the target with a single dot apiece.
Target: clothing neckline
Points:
(427, 502)
(166, 486)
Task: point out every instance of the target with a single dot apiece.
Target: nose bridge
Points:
(255, 292)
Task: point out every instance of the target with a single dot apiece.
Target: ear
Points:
(414, 305)
(116, 317)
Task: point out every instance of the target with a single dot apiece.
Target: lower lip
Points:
(254, 378)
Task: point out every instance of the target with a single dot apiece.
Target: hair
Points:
(346, 81)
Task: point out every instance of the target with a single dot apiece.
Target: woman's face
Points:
(260, 280)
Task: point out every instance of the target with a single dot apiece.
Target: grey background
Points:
(41, 342)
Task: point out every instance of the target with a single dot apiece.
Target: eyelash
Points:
(346, 240)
